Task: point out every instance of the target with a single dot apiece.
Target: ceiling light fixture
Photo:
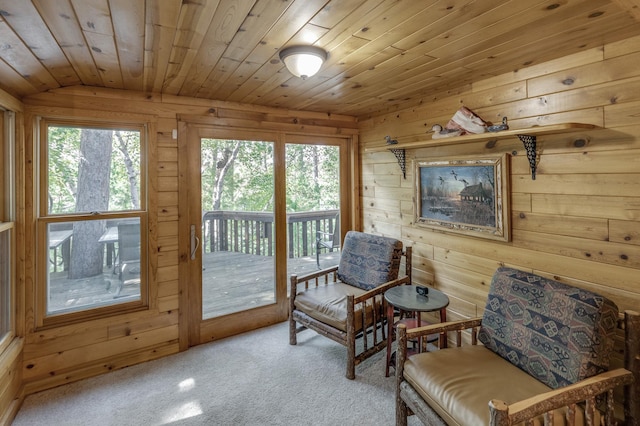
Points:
(303, 61)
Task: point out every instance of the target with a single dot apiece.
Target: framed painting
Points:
(467, 196)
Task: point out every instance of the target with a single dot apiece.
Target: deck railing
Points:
(252, 232)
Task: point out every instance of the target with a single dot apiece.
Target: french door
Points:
(252, 220)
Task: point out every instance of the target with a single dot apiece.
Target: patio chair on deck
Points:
(328, 240)
(128, 268)
(347, 300)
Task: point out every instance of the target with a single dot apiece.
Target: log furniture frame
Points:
(585, 393)
(360, 302)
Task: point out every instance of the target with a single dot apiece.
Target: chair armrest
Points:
(381, 289)
(584, 390)
(315, 277)
(443, 327)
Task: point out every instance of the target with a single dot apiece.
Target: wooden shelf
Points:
(527, 136)
(488, 136)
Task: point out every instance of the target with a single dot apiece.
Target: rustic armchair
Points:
(346, 301)
(545, 358)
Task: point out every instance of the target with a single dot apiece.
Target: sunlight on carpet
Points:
(256, 378)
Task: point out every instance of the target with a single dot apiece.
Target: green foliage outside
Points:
(312, 176)
(64, 157)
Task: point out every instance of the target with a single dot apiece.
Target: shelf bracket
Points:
(402, 160)
(529, 143)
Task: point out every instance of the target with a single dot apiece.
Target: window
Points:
(92, 219)
(7, 211)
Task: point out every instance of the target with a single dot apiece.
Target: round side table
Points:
(406, 298)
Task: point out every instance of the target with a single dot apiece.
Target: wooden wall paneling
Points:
(625, 114)
(58, 363)
(462, 283)
(168, 228)
(556, 265)
(624, 231)
(167, 273)
(622, 208)
(167, 168)
(142, 325)
(41, 344)
(580, 248)
(168, 288)
(615, 184)
(613, 69)
(572, 226)
(169, 303)
(622, 47)
(388, 229)
(11, 388)
(113, 362)
(619, 161)
(522, 74)
(463, 260)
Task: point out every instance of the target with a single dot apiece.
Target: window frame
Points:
(43, 318)
(7, 219)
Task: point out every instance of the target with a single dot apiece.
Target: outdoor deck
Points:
(252, 283)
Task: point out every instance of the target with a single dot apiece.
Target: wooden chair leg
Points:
(293, 281)
(401, 351)
(351, 339)
(293, 338)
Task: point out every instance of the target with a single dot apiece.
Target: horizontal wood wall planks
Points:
(576, 222)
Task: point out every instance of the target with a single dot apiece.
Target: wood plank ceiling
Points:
(382, 53)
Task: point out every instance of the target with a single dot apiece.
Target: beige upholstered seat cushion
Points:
(458, 383)
(328, 304)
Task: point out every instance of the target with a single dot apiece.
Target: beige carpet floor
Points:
(255, 378)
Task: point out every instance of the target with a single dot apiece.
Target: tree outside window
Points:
(92, 215)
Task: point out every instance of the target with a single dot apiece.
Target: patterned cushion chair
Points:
(346, 301)
(546, 349)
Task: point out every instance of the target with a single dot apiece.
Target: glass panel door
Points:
(313, 206)
(258, 206)
(238, 244)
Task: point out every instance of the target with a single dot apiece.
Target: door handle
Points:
(195, 242)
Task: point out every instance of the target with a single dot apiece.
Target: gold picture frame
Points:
(468, 196)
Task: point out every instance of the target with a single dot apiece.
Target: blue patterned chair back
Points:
(557, 333)
(369, 260)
